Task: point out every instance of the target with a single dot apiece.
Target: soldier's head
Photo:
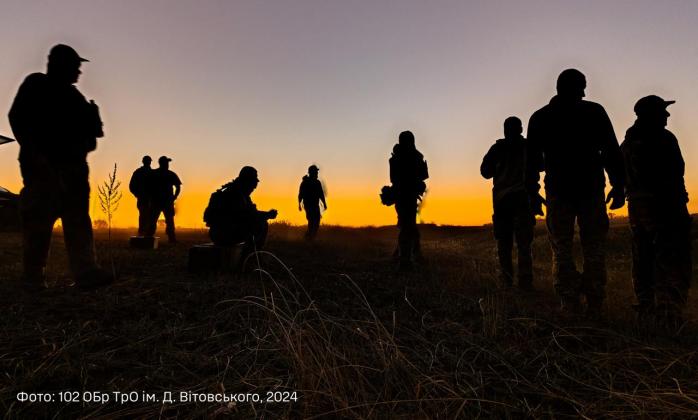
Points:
(64, 64)
(512, 127)
(164, 162)
(571, 84)
(406, 140)
(147, 160)
(248, 179)
(652, 110)
(313, 171)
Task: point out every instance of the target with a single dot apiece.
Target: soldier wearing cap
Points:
(573, 141)
(166, 189)
(659, 217)
(141, 187)
(513, 217)
(232, 216)
(310, 195)
(56, 127)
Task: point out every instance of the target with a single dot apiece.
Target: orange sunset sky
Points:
(281, 85)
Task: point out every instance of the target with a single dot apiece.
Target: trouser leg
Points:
(524, 238)
(560, 222)
(144, 217)
(38, 210)
(407, 223)
(77, 225)
(673, 262)
(169, 213)
(505, 244)
(593, 229)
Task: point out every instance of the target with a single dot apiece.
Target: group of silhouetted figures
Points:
(573, 142)
(569, 139)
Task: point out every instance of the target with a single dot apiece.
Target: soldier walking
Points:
(573, 141)
(166, 189)
(512, 218)
(141, 187)
(408, 171)
(659, 218)
(56, 127)
(310, 195)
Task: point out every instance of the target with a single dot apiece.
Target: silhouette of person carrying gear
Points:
(233, 218)
(166, 189)
(512, 218)
(573, 141)
(141, 186)
(408, 171)
(56, 127)
(659, 218)
(310, 195)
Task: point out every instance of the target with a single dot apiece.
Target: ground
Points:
(337, 331)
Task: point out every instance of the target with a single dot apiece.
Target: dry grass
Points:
(334, 322)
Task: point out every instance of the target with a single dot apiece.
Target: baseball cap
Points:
(164, 159)
(650, 103)
(64, 53)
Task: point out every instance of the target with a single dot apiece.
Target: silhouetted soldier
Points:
(164, 180)
(659, 218)
(56, 127)
(505, 163)
(141, 187)
(232, 216)
(408, 171)
(311, 194)
(573, 141)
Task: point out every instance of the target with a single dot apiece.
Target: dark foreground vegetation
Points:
(334, 322)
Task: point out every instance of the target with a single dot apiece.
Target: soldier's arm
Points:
(322, 195)
(534, 157)
(488, 167)
(678, 165)
(611, 155)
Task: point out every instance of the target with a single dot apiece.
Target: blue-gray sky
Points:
(283, 84)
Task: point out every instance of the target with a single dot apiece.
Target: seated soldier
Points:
(232, 216)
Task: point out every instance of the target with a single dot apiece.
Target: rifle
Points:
(4, 139)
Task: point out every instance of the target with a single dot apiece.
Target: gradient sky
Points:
(283, 84)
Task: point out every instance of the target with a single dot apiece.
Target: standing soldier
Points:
(56, 127)
(140, 187)
(505, 163)
(659, 218)
(311, 194)
(408, 171)
(164, 180)
(573, 141)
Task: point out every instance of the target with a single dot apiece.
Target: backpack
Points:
(215, 211)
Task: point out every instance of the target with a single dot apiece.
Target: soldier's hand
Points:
(616, 197)
(272, 213)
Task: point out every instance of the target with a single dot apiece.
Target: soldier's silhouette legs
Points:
(408, 237)
(593, 229)
(513, 219)
(145, 217)
(48, 195)
(662, 266)
(169, 212)
(312, 214)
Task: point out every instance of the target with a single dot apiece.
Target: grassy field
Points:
(335, 323)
